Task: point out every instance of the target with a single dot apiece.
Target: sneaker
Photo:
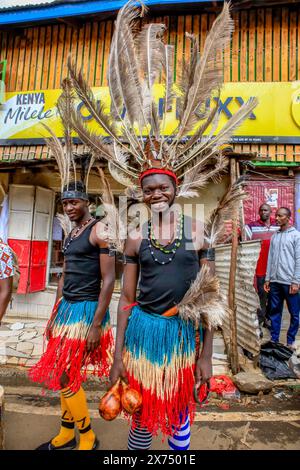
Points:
(96, 444)
(49, 446)
(292, 346)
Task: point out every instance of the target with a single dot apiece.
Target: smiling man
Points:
(155, 346)
(78, 332)
(155, 349)
(283, 276)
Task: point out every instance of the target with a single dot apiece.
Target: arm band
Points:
(107, 251)
(208, 254)
(130, 259)
(104, 251)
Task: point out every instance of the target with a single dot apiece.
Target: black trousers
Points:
(263, 311)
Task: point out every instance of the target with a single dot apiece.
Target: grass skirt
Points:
(67, 330)
(159, 357)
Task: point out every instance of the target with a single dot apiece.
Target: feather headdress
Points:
(114, 231)
(76, 168)
(215, 228)
(137, 61)
(71, 166)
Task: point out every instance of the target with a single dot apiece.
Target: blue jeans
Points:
(279, 293)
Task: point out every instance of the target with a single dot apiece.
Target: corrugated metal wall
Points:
(265, 47)
(247, 300)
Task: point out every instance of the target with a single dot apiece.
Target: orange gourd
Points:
(131, 399)
(110, 403)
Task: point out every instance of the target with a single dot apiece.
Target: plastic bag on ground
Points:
(273, 361)
(224, 386)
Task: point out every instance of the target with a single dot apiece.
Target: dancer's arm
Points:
(107, 268)
(5, 294)
(59, 292)
(204, 363)
(128, 296)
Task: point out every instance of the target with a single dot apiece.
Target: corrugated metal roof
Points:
(28, 4)
(10, 4)
(62, 9)
(247, 300)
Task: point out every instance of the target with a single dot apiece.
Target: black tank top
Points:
(82, 268)
(163, 286)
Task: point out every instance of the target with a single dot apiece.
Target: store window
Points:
(60, 228)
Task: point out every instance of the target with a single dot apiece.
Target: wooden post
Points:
(1, 418)
(234, 362)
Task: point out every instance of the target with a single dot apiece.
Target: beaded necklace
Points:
(66, 246)
(153, 244)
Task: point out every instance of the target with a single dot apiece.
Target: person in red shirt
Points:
(262, 229)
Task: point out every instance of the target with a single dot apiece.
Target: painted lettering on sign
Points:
(25, 108)
(30, 98)
(276, 119)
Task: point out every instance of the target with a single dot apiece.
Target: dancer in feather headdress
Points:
(78, 332)
(156, 333)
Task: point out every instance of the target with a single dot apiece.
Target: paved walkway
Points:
(270, 422)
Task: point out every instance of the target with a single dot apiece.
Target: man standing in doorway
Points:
(283, 276)
(262, 229)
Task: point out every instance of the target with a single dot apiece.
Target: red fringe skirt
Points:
(67, 333)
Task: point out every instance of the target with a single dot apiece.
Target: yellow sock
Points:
(67, 428)
(76, 402)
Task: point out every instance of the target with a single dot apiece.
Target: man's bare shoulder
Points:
(133, 242)
(99, 234)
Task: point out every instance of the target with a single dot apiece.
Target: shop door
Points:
(276, 193)
(21, 204)
(42, 218)
(30, 216)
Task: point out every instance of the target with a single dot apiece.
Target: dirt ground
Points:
(264, 422)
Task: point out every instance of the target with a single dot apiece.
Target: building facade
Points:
(35, 41)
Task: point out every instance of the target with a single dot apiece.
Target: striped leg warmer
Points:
(181, 439)
(139, 438)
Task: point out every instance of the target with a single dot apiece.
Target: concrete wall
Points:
(38, 306)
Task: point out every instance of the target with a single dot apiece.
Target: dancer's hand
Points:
(203, 370)
(48, 333)
(117, 371)
(93, 339)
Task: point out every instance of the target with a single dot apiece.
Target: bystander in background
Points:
(262, 229)
(283, 276)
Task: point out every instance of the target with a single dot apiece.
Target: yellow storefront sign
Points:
(275, 120)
